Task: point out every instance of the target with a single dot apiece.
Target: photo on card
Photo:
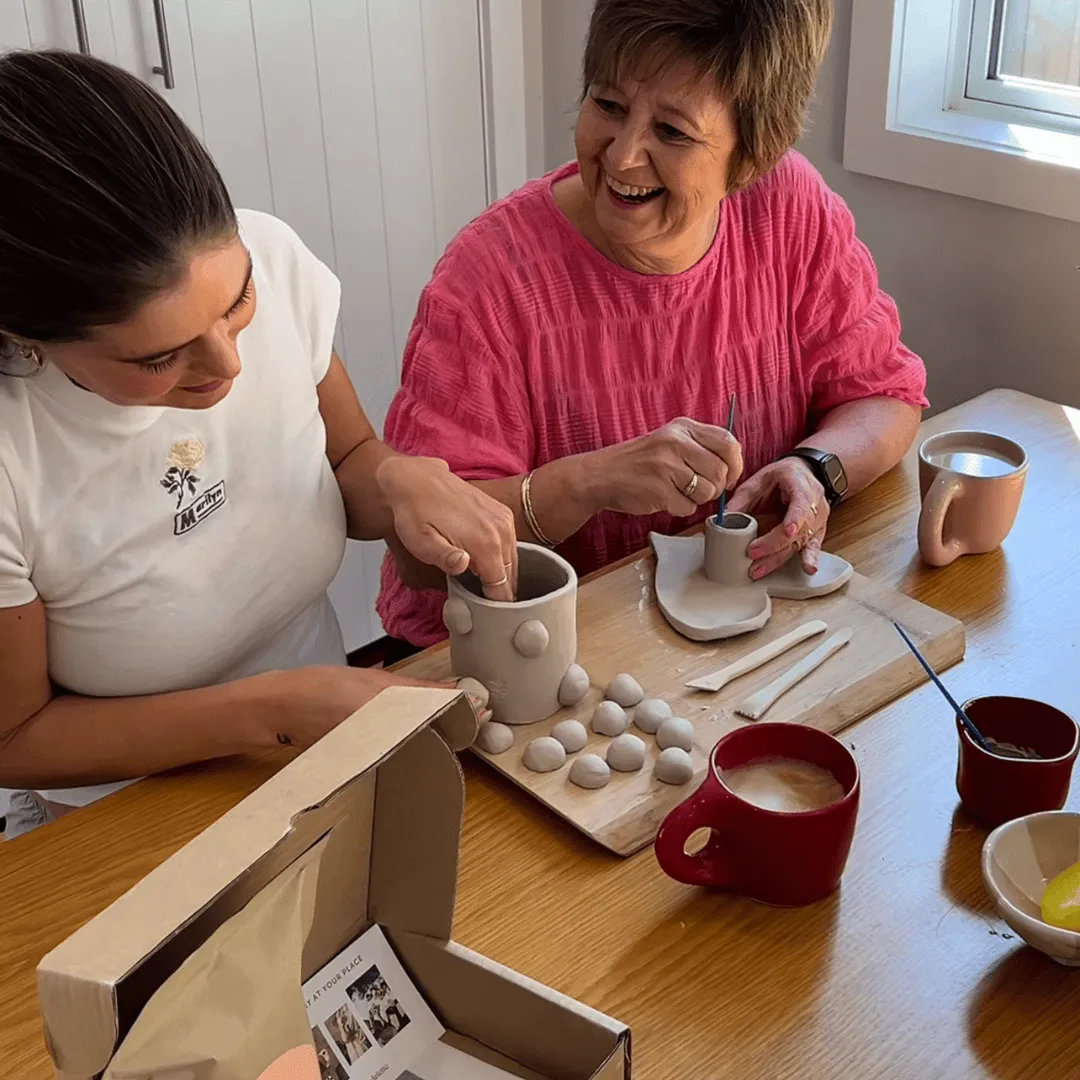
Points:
(330, 1068)
(348, 1035)
(377, 1006)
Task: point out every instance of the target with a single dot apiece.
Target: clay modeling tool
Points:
(758, 658)
(723, 494)
(757, 705)
(976, 735)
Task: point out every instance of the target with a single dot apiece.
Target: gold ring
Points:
(814, 509)
(691, 487)
(504, 580)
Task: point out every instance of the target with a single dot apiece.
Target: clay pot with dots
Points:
(521, 651)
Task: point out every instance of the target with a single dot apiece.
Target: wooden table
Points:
(905, 974)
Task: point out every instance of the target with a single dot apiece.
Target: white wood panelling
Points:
(14, 25)
(138, 50)
(397, 62)
(455, 106)
(230, 88)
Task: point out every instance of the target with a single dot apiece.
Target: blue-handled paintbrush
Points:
(723, 494)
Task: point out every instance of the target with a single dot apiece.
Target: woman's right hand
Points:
(655, 474)
(307, 703)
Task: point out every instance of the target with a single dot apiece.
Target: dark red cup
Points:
(787, 860)
(995, 789)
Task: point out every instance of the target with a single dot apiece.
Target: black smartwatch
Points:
(828, 469)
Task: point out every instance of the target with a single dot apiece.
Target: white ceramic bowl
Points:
(1019, 860)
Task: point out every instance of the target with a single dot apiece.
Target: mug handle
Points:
(939, 498)
(708, 867)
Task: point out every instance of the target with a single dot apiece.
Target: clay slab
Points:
(704, 610)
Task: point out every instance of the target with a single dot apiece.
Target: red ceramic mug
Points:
(997, 789)
(784, 859)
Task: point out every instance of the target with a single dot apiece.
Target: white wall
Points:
(990, 296)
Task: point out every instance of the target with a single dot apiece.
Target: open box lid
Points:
(390, 857)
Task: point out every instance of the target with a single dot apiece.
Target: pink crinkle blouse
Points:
(529, 345)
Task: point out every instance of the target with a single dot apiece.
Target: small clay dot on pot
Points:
(531, 639)
(457, 618)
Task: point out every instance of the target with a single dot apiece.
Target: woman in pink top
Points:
(577, 348)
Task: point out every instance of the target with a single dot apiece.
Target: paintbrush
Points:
(723, 494)
(976, 735)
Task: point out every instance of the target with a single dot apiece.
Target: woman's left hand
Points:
(445, 522)
(786, 487)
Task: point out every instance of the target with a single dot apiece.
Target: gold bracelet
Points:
(530, 514)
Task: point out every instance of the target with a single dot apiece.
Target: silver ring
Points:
(504, 580)
(691, 487)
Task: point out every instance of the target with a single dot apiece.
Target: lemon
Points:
(1061, 901)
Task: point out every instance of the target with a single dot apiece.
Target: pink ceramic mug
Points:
(971, 484)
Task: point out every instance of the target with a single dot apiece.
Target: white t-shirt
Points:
(172, 548)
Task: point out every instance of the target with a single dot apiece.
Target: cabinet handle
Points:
(165, 69)
(80, 27)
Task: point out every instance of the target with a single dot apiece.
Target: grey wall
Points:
(990, 296)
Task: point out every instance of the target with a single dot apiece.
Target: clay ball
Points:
(574, 687)
(590, 771)
(624, 690)
(544, 755)
(456, 616)
(650, 714)
(572, 735)
(674, 766)
(675, 731)
(626, 753)
(531, 639)
(476, 690)
(494, 738)
(609, 719)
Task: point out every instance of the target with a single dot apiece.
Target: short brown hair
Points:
(763, 54)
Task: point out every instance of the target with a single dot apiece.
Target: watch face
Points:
(835, 472)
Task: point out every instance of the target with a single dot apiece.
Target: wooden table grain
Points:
(904, 974)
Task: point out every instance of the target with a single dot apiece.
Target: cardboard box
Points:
(386, 793)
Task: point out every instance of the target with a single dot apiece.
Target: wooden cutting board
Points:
(621, 629)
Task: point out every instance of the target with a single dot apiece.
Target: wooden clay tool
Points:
(759, 657)
(757, 705)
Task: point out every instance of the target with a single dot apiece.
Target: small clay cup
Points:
(726, 544)
(996, 789)
(965, 512)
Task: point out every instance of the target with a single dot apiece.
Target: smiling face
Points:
(179, 348)
(655, 156)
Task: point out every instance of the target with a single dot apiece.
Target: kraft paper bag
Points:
(234, 1010)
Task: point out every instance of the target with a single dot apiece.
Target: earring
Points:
(32, 354)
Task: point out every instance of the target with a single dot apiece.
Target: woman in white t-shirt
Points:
(181, 456)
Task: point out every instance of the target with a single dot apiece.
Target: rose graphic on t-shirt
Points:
(184, 458)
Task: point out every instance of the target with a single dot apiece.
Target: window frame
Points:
(1052, 104)
(910, 117)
